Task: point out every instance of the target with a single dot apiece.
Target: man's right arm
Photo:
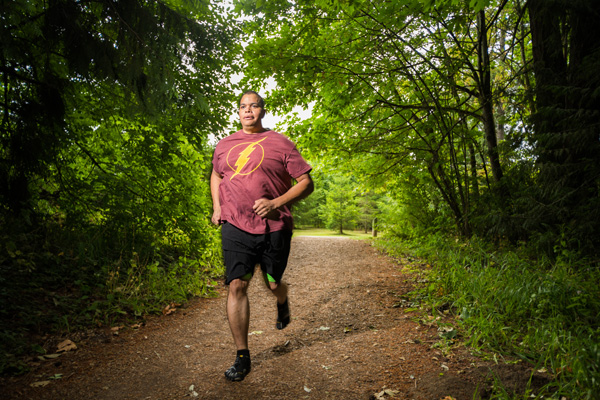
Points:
(215, 181)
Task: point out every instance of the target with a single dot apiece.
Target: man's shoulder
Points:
(281, 138)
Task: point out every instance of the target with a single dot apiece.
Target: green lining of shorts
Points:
(248, 276)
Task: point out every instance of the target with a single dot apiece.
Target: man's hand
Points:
(216, 217)
(215, 182)
(263, 207)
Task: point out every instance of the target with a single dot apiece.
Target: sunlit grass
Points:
(330, 233)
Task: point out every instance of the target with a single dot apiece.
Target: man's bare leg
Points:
(238, 314)
(280, 290)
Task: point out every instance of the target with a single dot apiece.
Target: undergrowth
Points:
(510, 304)
(53, 286)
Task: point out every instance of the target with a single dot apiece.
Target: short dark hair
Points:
(261, 101)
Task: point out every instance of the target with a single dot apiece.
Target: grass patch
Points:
(328, 232)
(507, 304)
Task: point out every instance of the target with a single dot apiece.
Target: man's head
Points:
(251, 112)
(261, 101)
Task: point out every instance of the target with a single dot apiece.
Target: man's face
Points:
(251, 113)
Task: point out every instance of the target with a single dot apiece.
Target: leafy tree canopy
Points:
(445, 93)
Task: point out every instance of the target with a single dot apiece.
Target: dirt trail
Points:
(349, 339)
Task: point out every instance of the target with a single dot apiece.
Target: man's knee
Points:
(238, 287)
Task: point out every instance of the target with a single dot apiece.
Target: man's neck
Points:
(251, 130)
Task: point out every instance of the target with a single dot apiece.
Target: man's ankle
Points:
(243, 353)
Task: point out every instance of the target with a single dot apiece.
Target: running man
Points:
(252, 193)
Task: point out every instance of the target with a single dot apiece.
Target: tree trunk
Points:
(485, 97)
(566, 63)
(565, 55)
(474, 179)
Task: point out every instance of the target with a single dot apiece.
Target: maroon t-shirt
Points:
(255, 166)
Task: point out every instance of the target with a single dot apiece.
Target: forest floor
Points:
(351, 337)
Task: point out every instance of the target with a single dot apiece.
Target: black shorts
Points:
(243, 250)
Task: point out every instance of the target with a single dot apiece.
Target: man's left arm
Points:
(299, 191)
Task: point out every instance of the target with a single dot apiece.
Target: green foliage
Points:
(541, 312)
(565, 122)
(340, 209)
(339, 202)
(395, 92)
(45, 290)
(104, 159)
(143, 288)
(432, 101)
(306, 212)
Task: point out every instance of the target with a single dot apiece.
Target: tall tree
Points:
(405, 90)
(107, 108)
(566, 55)
(340, 210)
(62, 60)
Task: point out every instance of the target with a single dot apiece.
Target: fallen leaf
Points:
(40, 384)
(256, 333)
(324, 328)
(307, 390)
(66, 345)
(193, 393)
(171, 308)
(384, 392)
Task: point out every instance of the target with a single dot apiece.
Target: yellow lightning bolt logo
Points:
(244, 157)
